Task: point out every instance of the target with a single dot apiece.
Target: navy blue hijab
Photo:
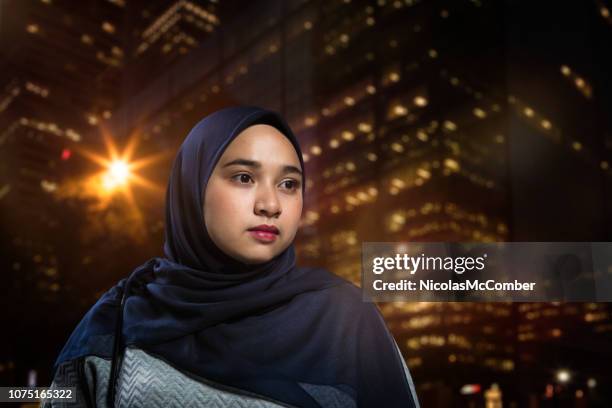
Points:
(261, 328)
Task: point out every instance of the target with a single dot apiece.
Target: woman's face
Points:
(255, 184)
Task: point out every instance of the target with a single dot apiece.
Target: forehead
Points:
(262, 142)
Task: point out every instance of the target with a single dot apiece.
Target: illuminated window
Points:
(420, 101)
(397, 147)
(347, 135)
(479, 113)
(565, 70)
(310, 121)
(451, 126)
(422, 136)
(364, 127)
(400, 110)
(108, 27)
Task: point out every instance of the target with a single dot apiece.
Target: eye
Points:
(242, 178)
(290, 184)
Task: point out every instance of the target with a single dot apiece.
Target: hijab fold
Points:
(266, 328)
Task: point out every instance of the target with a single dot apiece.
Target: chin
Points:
(257, 258)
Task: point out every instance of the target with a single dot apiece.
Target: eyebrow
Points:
(257, 165)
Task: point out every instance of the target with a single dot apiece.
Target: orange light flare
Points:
(119, 168)
(113, 187)
(119, 172)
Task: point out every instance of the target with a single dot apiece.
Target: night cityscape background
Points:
(420, 120)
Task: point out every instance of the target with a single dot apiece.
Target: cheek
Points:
(224, 209)
(293, 209)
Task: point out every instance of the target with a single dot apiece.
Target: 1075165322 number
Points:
(32, 394)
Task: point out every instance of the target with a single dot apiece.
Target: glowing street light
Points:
(120, 171)
(111, 189)
(117, 175)
(563, 376)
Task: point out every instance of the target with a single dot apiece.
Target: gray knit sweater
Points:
(149, 382)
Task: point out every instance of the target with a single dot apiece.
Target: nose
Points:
(267, 203)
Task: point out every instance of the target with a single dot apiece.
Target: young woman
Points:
(226, 318)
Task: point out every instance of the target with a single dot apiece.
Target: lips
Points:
(264, 233)
(270, 229)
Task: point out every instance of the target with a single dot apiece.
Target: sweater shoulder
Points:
(146, 377)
